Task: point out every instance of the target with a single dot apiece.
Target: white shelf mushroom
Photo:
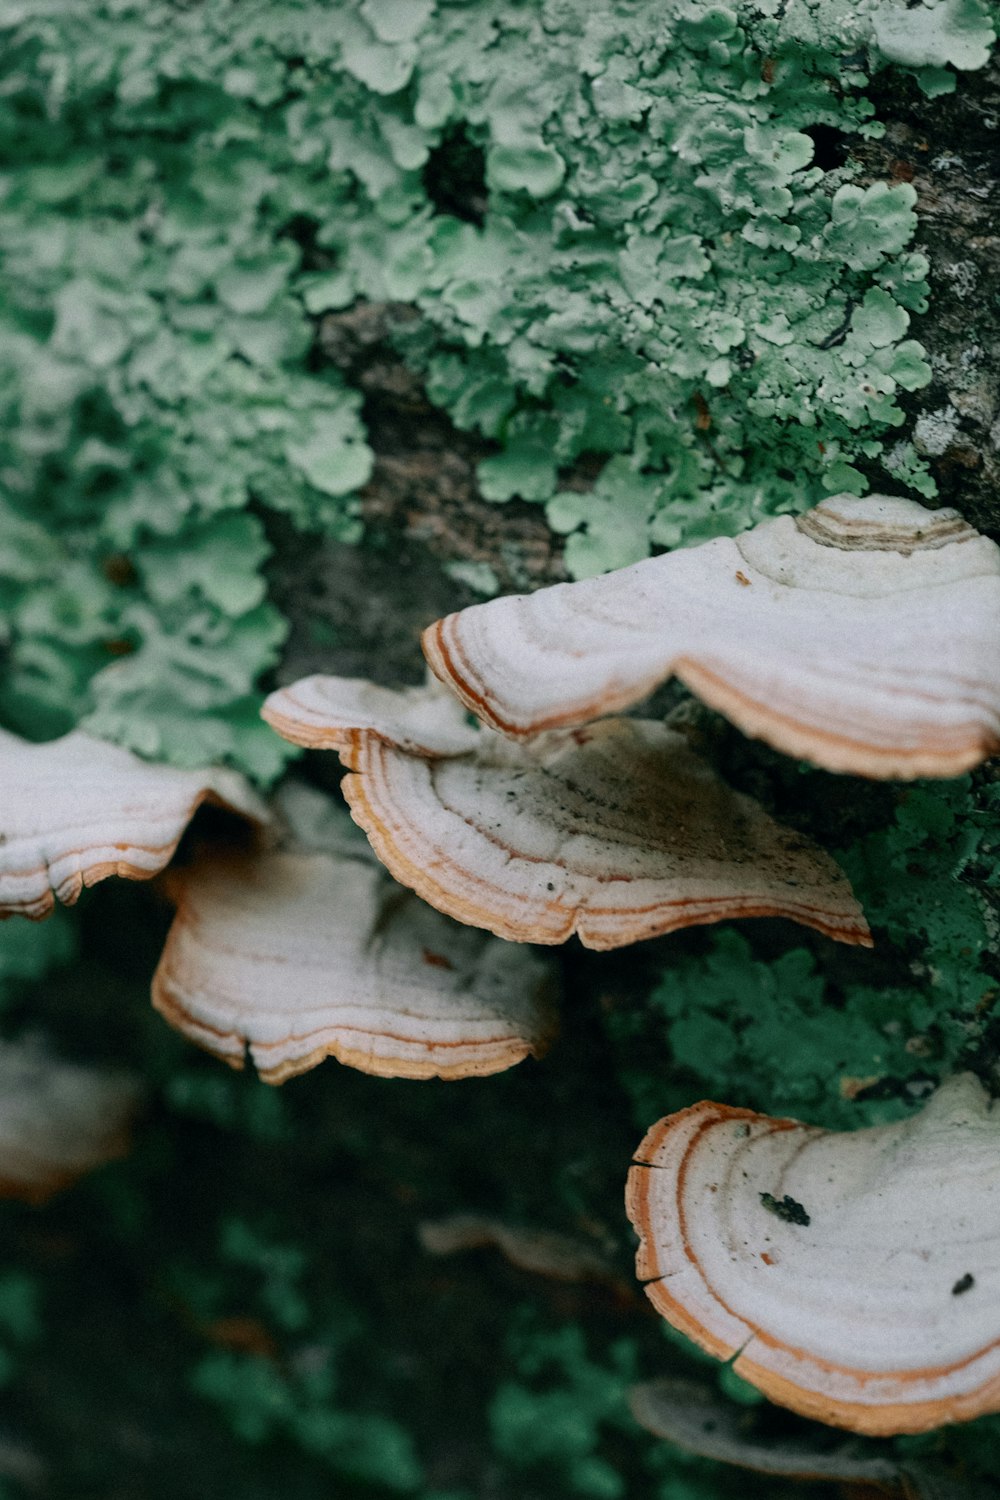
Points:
(852, 1277)
(863, 636)
(76, 810)
(616, 832)
(338, 713)
(58, 1120)
(538, 1251)
(700, 1420)
(302, 956)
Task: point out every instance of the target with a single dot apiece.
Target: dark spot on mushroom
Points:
(963, 1284)
(786, 1208)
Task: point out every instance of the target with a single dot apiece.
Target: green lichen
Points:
(564, 1409)
(662, 276)
(552, 1415)
(29, 950)
(153, 382)
(20, 1322)
(298, 1396)
(789, 1035)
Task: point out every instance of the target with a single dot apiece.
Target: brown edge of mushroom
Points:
(358, 1059)
(889, 1420)
(836, 753)
(311, 736)
(219, 787)
(233, 1047)
(84, 880)
(357, 788)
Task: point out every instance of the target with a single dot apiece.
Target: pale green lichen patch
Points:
(153, 381)
(935, 34)
(665, 265)
(665, 275)
(790, 1036)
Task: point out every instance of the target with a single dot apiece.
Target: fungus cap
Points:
(616, 832)
(853, 1277)
(58, 1120)
(541, 1252)
(337, 713)
(302, 956)
(76, 810)
(699, 1419)
(863, 636)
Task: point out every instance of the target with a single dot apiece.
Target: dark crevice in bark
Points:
(949, 149)
(359, 611)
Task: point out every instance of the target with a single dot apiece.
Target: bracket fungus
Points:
(541, 1252)
(339, 713)
(58, 1120)
(863, 635)
(697, 1418)
(872, 1303)
(616, 832)
(700, 1419)
(77, 810)
(305, 955)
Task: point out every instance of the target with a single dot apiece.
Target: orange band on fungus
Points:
(852, 1277)
(615, 832)
(302, 956)
(863, 636)
(77, 810)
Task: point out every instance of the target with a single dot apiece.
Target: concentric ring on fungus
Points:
(854, 1277)
(299, 956)
(615, 832)
(863, 636)
(77, 810)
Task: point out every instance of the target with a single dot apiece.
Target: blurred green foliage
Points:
(261, 1396)
(553, 1414)
(19, 1321)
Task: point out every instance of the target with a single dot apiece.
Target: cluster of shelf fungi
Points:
(512, 802)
